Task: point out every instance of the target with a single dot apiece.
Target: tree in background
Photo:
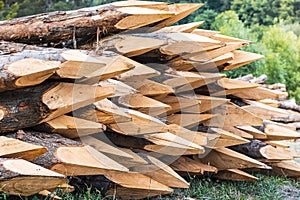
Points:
(8, 11)
(265, 12)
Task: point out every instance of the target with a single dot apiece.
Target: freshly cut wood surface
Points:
(235, 175)
(231, 115)
(20, 177)
(104, 112)
(275, 132)
(140, 124)
(235, 84)
(71, 127)
(78, 25)
(13, 148)
(161, 172)
(224, 158)
(183, 28)
(189, 120)
(253, 131)
(143, 104)
(288, 168)
(26, 72)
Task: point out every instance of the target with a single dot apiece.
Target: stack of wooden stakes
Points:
(137, 101)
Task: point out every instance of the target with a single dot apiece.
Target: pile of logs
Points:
(115, 96)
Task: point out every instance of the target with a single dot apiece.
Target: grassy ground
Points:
(268, 188)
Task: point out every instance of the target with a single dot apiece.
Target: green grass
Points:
(268, 188)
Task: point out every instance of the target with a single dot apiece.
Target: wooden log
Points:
(275, 132)
(92, 68)
(13, 148)
(172, 138)
(45, 102)
(101, 143)
(206, 33)
(260, 150)
(224, 158)
(19, 177)
(120, 87)
(257, 134)
(143, 104)
(189, 120)
(196, 137)
(74, 28)
(150, 88)
(161, 172)
(233, 116)
(60, 156)
(227, 83)
(26, 72)
(186, 164)
(140, 124)
(270, 113)
(104, 112)
(183, 28)
(287, 168)
(242, 58)
(71, 127)
(224, 139)
(225, 38)
(235, 175)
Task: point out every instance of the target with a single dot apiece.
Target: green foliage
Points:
(208, 16)
(264, 12)
(8, 11)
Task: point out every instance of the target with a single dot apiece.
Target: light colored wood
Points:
(270, 113)
(258, 93)
(275, 132)
(242, 58)
(137, 181)
(169, 137)
(140, 72)
(30, 71)
(192, 136)
(120, 88)
(72, 127)
(191, 80)
(136, 159)
(105, 146)
(13, 148)
(189, 120)
(183, 105)
(143, 104)
(207, 102)
(139, 17)
(227, 83)
(150, 88)
(238, 132)
(181, 11)
(206, 33)
(271, 153)
(224, 158)
(25, 178)
(184, 28)
(225, 139)
(103, 111)
(235, 175)
(146, 4)
(225, 38)
(185, 164)
(170, 148)
(288, 168)
(88, 161)
(140, 124)
(48, 194)
(206, 56)
(78, 96)
(161, 172)
(131, 46)
(253, 131)
(277, 144)
(231, 115)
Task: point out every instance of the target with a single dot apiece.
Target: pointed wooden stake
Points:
(13, 148)
(235, 175)
(20, 177)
